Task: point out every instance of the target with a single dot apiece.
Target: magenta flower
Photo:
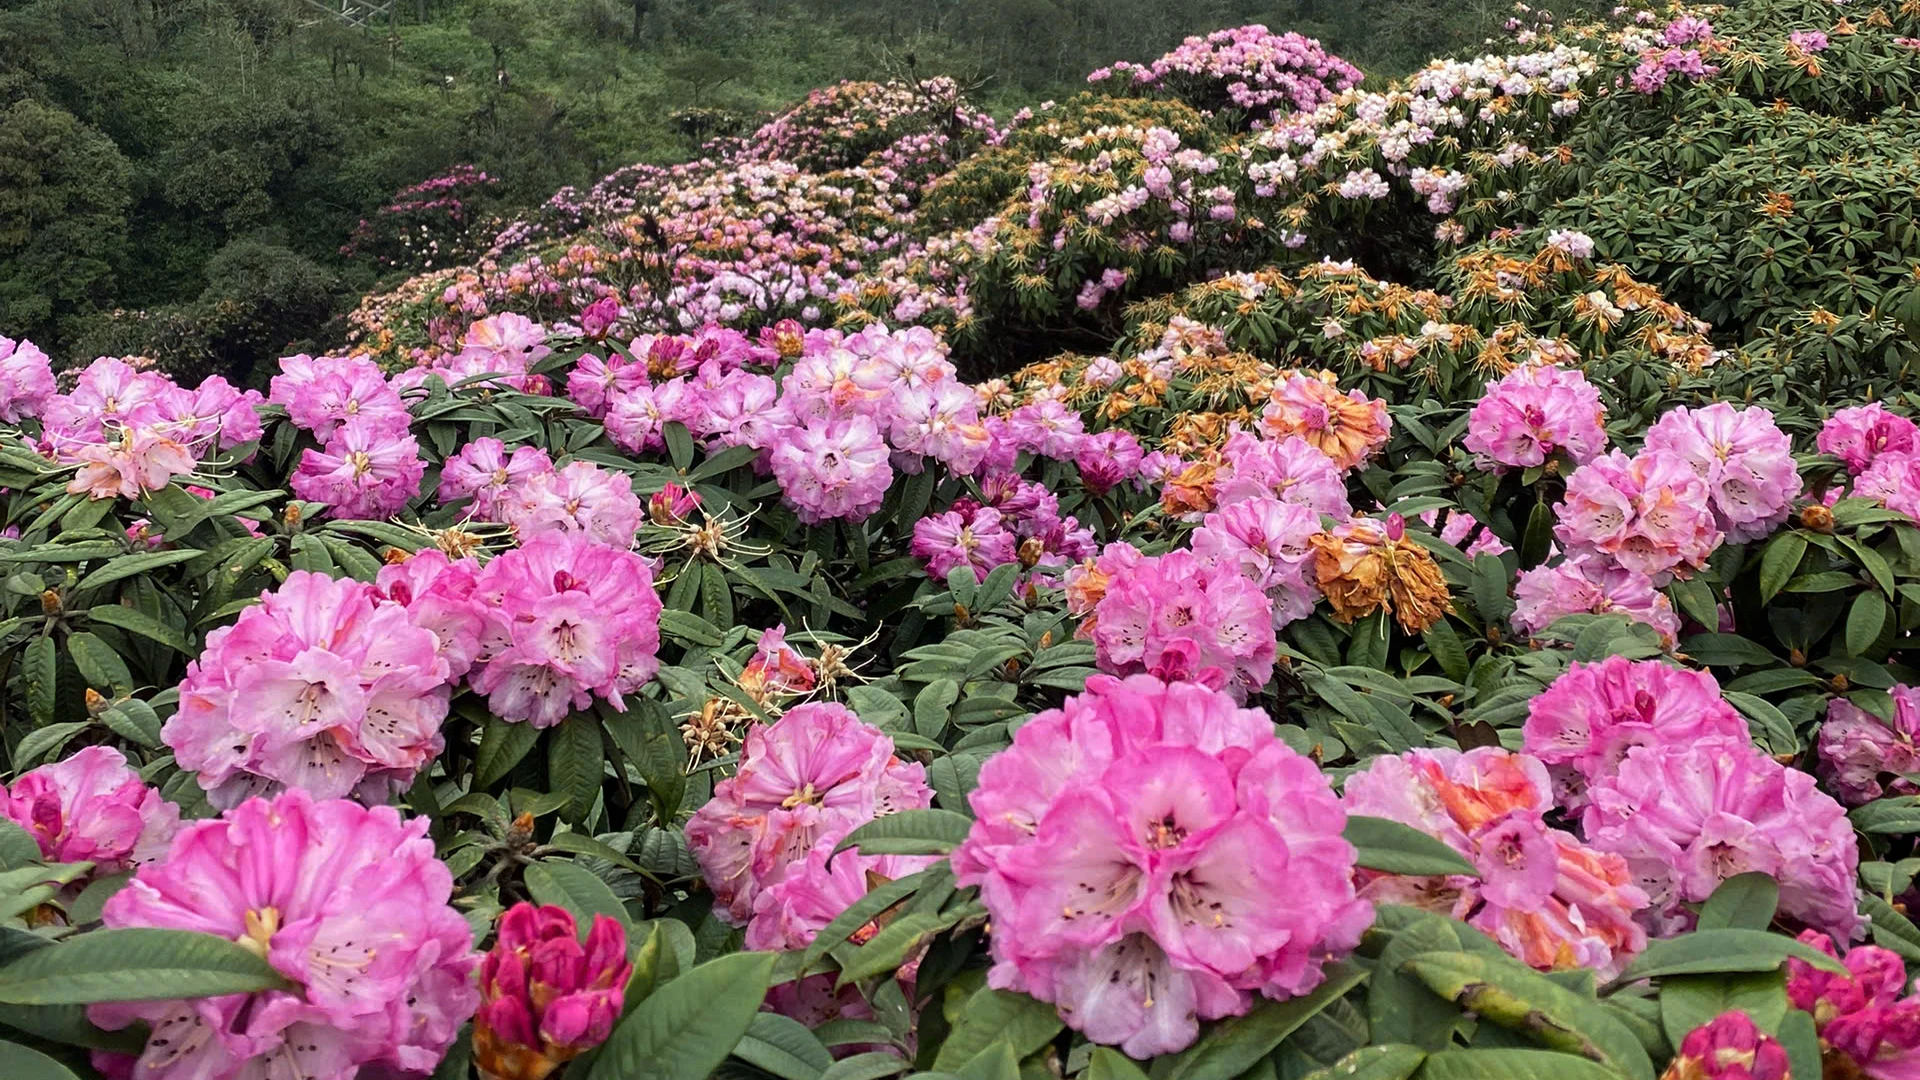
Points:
(816, 890)
(1893, 479)
(1290, 470)
(438, 595)
(568, 619)
(1545, 897)
(367, 470)
(595, 383)
(806, 780)
(1863, 757)
(579, 497)
(322, 686)
(1130, 846)
(672, 505)
(832, 469)
(544, 997)
(322, 393)
(354, 913)
(1688, 816)
(1583, 724)
(1864, 1024)
(26, 380)
(1107, 460)
(1535, 412)
(1745, 459)
(1729, 1047)
(1268, 543)
(1588, 584)
(486, 473)
(92, 808)
(1651, 513)
(1176, 617)
(1048, 428)
(1859, 434)
(964, 537)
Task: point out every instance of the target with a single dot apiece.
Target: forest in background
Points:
(199, 166)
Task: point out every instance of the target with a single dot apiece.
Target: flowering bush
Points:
(1236, 570)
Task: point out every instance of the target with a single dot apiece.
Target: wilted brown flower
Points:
(1191, 492)
(1365, 566)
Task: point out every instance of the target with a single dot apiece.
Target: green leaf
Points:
(910, 832)
(1512, 1064)
(18, 848)
(690, 628)
(1726, 650)
(997, 1015)
(1106, 1063)
(996, 1062)
(1393, 848)
(1538, 539)
(1712, 952)
(128, 565)
(502, 746)
(686, 1028)
(92, 900)
(1235, 1045)
(1890, 929)
(873, 1065)
(1798, 1037)
(1894, 815)
(1688, 1001)
(888, 949)
(1515, 997)
(575, 763)
(575, 888)
(931, 705)
(42, 679)
(1391, 1062)
(21, 1063)
(1696, 598)
(1865, 621)
(1447, 650)
(862, 912)
(1742, 902)
(649, 741)
(98, 663)
(784, 1047)
(134, 621)
(45, 742)
(135, 964)
(679, 444)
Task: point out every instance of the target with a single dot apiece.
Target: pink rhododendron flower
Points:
(1177, 617)
(545, 997)
(1048, 428)
(1686, 817)
(1583, 724)
(1651, 513)
(137, 461)
(1465, 532)
(672, 505)
(808, 779)
(578, 497)
(1866, 1028)
(594, 383)
(1745, 459)
(322, 686)
(484, 471)
(438, 595)
(1130, 847)
(1545, 897)
(26, 380)
(367, 470)
(322, 393)
(1588, 584)
(817, 889)
(1290, 470)
(832, 469)
(91, 807)
(776, 668)
(349, 904)
(1863, 757)
(1859, 434)
(1534, 412)
(1107, 460)
(568, 619)
(1729, 1047)
(1268, 543)
(1894, 481)
(971, 537)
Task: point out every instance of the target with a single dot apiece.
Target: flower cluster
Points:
(354, 916)
(1860, 434)
(26, 380)
(1744, 458)
(1535, 412)
(1545, 897)
(1249, 68)
(1128, 847)
(804, 783)
(324, 686)
(92, 807)
(1651, 513)
(1863, 757)
(545, 998)
(1866, 1027)
(1587, 584)
(1364, 566)
(1687, 816)
(1583, 724)
(131, 431)
(525, 491)
(566, 619)
(1181, 616)
(368, 464)
(1347, 427)
(1270, 543)
(1729, 1047)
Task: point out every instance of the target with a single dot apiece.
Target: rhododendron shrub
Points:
(1130, 848)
